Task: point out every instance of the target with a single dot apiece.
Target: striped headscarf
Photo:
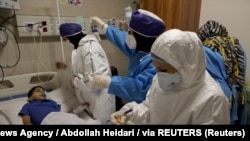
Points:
(211, 28)
(215, 36)
(233, 56)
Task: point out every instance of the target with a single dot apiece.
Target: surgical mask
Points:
(131, 42)
(168, 81)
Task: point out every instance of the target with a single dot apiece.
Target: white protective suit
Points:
(197, 99)
(88, 59)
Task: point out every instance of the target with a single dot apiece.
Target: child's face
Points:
(37, 94)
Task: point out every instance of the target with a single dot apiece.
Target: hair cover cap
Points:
(70, 29)
(146, 23)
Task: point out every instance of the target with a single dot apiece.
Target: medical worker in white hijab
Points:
(182, 92)
(88, 58)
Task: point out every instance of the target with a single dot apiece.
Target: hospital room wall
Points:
(234, 15)
(50, 49)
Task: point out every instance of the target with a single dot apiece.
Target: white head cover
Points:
(184, 51)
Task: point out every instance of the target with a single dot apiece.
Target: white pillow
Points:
(9, 109)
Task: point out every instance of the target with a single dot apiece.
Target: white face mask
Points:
(131, 42)
(168, 81)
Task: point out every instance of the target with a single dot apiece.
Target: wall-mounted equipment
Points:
(49, 25)
(10, 4)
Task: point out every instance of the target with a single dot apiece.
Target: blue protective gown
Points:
(141, 70)
(216, 67)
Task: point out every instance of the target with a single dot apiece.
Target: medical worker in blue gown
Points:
(144, 28)
(88, 58)
(182, 92)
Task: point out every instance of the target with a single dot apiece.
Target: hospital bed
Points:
(14, 89)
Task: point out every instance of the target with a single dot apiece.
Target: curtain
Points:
(182, 14)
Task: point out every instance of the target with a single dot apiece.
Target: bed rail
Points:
(20, 84)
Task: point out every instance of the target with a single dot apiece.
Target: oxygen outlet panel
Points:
(39, 25)
(10, 4)
(29, 26)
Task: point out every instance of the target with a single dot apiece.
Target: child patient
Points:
(40, 110)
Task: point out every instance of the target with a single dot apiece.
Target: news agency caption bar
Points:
(240, 132)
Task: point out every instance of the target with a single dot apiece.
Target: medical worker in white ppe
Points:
(88, 58)
(182, 92)
(144, 28)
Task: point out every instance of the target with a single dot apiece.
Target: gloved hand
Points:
(122, 117)
(97, 21)
(101, 81)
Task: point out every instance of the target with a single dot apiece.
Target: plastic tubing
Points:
(59, 21)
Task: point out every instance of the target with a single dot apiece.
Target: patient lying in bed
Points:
(41, 111)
